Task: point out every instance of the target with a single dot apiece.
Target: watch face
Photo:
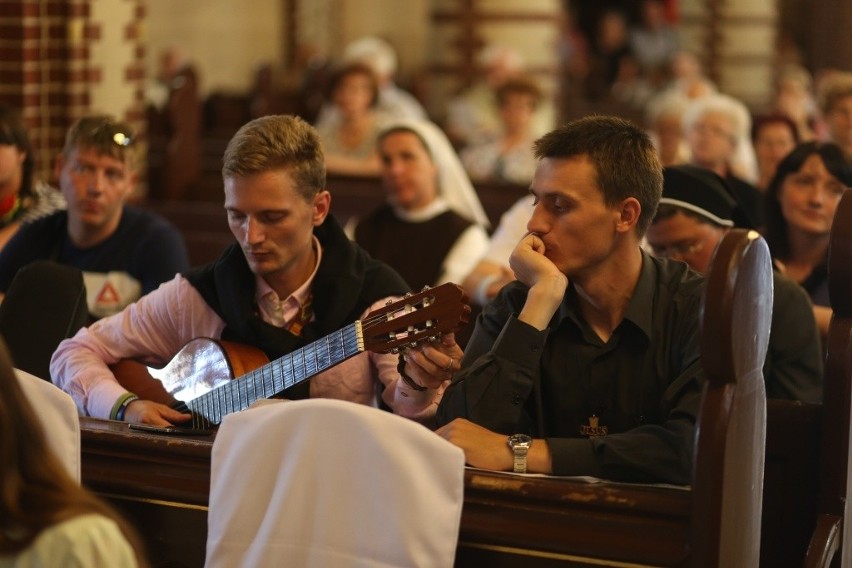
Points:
(519, 440)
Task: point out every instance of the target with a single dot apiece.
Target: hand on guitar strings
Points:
(153, 413)
(430, 364)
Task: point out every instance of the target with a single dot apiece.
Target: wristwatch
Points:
(520, 444)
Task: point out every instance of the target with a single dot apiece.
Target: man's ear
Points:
(322, 205)
(628, 214)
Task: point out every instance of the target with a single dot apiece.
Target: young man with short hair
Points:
(590, 361)
(122, 251)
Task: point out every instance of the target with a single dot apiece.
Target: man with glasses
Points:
(123, 252)
(695, 212)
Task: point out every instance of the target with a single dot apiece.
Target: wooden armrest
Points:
(825, 542)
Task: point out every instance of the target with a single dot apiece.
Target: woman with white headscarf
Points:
(433, 228)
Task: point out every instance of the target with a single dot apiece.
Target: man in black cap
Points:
(695, 212)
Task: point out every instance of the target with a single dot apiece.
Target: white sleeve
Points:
(464, 255)
(510, 231)
(152, 329)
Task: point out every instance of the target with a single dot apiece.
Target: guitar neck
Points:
(277, 376)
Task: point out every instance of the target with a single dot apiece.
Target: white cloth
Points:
(59, 419)
(453, 183)
(83, 541)
(316, 483)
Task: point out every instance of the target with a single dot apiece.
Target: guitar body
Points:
(201, 365)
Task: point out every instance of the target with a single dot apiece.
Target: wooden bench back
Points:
(731, 429)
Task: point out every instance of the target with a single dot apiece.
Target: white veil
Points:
(453, 183)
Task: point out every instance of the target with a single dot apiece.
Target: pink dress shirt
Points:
(155, 328)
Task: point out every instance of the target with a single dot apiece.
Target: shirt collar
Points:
(640, 310)
(438, 206)
(300, 294)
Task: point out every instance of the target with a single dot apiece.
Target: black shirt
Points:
(643, 385)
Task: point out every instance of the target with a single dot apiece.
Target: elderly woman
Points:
(432, 228)
(350, 140)
(717, 131)
(21, 198)
(800, 206)
(508, 157)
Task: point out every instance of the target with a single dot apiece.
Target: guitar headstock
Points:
(417, 317)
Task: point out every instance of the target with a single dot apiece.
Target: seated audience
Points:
(654, 41)
(394, 102)
(591, 360)
(508, 157)
(773, 137)
(800, 206)
(22, 198)
(695, 212)
(794, 98)
(432, 228)
(123, 252)
(472, 115)
(350, 143)
(717, 130)
(46, 518)
(836, 107)
(290, 278)
(664, 119)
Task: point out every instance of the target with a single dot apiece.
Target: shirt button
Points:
(516, 399)
(534, 348)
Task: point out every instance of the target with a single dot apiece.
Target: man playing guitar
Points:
(290, 281)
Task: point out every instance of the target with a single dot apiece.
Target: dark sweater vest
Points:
(347, 282)
(416, 250)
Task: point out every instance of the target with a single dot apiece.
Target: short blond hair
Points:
(105, 135)
(278, 142)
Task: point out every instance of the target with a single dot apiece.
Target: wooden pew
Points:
(832, 536)
(161, 483)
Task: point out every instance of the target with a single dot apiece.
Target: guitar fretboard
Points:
(276, 376)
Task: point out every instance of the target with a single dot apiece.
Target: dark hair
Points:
(14, 133)
(625, 161)
(355, 68)
(36, 490)
(763, 120)
(775, 230)
(520, 85)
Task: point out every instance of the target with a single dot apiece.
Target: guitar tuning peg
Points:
(395, 350)
(424, 288)
(389, 302)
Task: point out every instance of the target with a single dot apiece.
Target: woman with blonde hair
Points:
(46, 518)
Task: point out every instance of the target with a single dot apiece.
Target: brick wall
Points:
(46, 68)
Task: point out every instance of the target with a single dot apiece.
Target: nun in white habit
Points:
(432, 228)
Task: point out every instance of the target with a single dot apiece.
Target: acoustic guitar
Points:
(200, 378)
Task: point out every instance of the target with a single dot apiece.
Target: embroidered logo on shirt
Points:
(593, 429)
